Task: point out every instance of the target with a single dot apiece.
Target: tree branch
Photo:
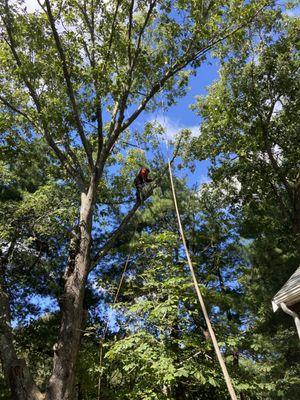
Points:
(111, 36)
(115, 235)
(92, 59)
(103, 251)
(138, 47)
(180, 64)
(275, 166)
(61, 157)
(285, 211)
(70, 90)
(130, 32)
(120, 105)
(74, 158)
(18, 111)
(37, 128)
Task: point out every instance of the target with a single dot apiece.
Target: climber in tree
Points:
(140, 183)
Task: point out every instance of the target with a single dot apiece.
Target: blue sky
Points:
(181, 113)
(181, 116)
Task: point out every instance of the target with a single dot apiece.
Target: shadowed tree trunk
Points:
(296, 209)
(15, 370)
(62, 382)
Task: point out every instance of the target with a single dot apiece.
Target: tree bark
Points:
(296, 215)
(296, 221)
(61, 385)
(296, 208)
(15, 370)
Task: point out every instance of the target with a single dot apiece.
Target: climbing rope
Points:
(101, 344)
(196, 286)
(199, 295)
(195, 282)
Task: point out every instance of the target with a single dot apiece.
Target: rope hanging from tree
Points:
(197, 289)
(102, 340)
(199, 295)
(195, 282)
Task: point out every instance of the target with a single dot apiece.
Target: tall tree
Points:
(251, 132)
(251, 123)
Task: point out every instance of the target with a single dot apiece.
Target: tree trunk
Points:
(296, 224)
(296, 214)
(61, 385)
(15, 370)
(179, 392)
(296, 211)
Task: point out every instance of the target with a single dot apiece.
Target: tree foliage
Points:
(75, 78)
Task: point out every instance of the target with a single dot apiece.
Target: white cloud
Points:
(173, 127)
(278, 106)
(32, 5)
(231, 186)
(277, 154)
(236, 184)
(99, 289)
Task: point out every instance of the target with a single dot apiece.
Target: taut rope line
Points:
(199, 295)
(106, 326)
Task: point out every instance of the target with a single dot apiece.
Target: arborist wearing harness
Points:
(140, 183)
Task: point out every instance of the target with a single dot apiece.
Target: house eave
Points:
(289, 298)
